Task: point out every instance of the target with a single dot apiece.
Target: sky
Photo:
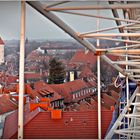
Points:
(38, 27)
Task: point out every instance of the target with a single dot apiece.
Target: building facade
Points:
(1, 51)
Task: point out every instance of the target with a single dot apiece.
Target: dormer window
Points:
(81, 93)
(73, 96)
(49, 95)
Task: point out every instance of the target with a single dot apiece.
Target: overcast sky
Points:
(38, 27)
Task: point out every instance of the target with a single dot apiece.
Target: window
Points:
(73, 96)
(79, 94)
(84, 92)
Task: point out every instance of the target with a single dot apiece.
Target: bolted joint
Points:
(80, 36)
(100, 52)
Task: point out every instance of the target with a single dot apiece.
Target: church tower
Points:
(1, 51)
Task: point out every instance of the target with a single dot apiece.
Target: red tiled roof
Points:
(81, 57)
(114, 94)
(36, 55)
(43, 89)
(47, 90)
(1, 41)
(28, 90)
(33, 94)
(112, 87)
(104, 104)
(66, 89)
(33, 55)
(92, 82)
(78, 125)
(84, 107)
(12, 79)
(39, 84)
(94, 103)
(40, 90)
(6, 105)
(108, 99)
(62, 90)
(32, 67)
(112, 57)
(12, 120)
(31, 75)
(8, 89)
(86, 72)
(8, 78)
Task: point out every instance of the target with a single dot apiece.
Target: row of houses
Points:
(83, 108)
(75, 101)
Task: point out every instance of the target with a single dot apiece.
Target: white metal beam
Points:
(107, 29)
(21, 73)
(121, 116)
(123, 47)
(119, 40)
(102, 17)
(56, 4)
(99, 84)
(39, 7)
(96, 7)
(109, 35)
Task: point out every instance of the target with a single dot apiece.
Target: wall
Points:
(1, 54)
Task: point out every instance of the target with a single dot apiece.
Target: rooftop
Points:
(81, 57)
(66, 89)
(6, 105)
(1, 41)
(79, 125)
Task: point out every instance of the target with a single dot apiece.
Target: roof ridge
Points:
(1, 41)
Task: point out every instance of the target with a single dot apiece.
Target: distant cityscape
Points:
(70, 69)
(77, 92)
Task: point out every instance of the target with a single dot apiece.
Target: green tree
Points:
(57, 72)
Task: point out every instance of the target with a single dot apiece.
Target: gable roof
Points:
(47, 89)
(28, 90)
(114, 94)
(67, 88)
(11, 122)
(32, 75)
(104, 104)
(81, 57)
(39, 84)
(86, 72)
(94, 103)
(8, 79)
(1, 41)
(91, 82)
(112, 87)
(108, 99)
(43, 89)
(79, 125)
(6, 105)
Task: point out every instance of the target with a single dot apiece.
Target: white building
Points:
(1, 51)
